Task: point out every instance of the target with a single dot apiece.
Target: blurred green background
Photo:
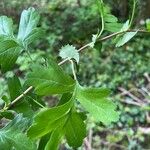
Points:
(124, 70)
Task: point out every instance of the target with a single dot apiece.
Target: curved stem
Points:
(133, 13)
(101, 11)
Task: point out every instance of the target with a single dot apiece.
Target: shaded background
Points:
(124, 70)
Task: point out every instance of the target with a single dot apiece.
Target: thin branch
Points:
(131, 103)
(65, 60)
(125, 92)
(108, 144)
(19, 97)
(121, 32)
(73, 70)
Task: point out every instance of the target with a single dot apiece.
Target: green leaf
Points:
(64, 98)
(48, 119)
(125, 26)
(5, 99)
(43, 141)
(28, 23)
(50, 80)
(75, 130)
(113, 27)
(15, 89)
(95, 101)
(8, 114)
(34, 35)
(6, 26)
(110, 18)
(12, 136)
(69, 52)
(125, 38)
(9, 52)
(110, 21)
(54, 140)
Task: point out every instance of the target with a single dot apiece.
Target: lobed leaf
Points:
(75, 130)
(28, 25)
(70, 52)
(50, 80)
(111, 23)
(9, 52)
(95, 101)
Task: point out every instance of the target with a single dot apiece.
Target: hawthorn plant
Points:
(33, 125)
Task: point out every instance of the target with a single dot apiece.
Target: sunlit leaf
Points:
(50, 80)
(126, 37)
(28, 25)
(96, 102)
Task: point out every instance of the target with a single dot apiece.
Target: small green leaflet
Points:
(96, 102)
(110, 21)
(69, 51)
(12, 136)
(12, 46)
(35, 34)
(9, 52)
(6, 26)
(125, 26)
(8, 114)
(28, 22)
(50, 80)
(14, 87)
(148, 24)
(75, 130)
(125, 38)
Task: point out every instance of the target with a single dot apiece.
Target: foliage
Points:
(11, 135)
(45, 77)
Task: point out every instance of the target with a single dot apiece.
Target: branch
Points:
(19, 97)
(65, 60)
(125, 92)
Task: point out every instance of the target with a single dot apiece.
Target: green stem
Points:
(37, 102)
(133, 13)
(101, 11)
